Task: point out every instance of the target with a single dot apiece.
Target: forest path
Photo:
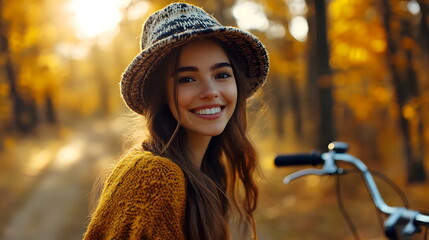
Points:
(57, 207)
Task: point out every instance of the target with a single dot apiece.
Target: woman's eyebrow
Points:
(187, 69)
(195, 69)
(220, 65)
(184, 69)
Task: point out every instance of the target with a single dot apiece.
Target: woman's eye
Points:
(185, 80)
(223, 75)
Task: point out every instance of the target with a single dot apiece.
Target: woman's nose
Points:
(209, 90)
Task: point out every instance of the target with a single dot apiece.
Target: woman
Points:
(190, 82)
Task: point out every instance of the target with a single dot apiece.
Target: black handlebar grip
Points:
(298, 159)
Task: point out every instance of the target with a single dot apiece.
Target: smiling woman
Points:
(94, 17)
(194, 170)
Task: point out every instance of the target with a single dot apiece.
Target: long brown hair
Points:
(228, 164)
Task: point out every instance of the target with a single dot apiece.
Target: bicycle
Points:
(401, 222)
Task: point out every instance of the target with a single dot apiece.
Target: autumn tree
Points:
(30, 65)
(423, 30)
(400, 53)
(22, 107)
(286, 87)
(319, 73)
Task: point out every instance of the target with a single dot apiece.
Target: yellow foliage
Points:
(358, 55)
(378, 46)
(408, 112)
(356, 34)
(381, 94)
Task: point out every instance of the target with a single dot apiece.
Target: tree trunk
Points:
(406, 89)
(102, 81)
(295, 106)
(424, 28)
(319, 74)
(279, 105)
(24, 112)
(50, 112)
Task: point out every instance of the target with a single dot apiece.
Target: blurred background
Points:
(349, 70)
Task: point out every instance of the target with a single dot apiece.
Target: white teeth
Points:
(208, 111)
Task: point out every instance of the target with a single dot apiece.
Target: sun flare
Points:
(94, 17)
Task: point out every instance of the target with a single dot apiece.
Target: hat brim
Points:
(243, 46)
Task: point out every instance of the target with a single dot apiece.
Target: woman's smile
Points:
(209, 112)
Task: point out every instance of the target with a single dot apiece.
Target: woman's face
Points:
(206, 89)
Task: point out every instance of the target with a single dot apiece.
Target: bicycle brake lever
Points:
(301, 173)
(411, 228)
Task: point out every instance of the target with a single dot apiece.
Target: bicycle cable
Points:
(343, 210)
(397, 190)
(393, 185)
(382, 177)
(380, 217)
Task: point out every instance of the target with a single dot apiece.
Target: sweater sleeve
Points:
(144, 198)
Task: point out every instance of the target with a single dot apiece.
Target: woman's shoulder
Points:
(144, 196)
(139, 171)
(148, 160)
(148, 164)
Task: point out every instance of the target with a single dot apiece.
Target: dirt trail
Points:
(58, 206)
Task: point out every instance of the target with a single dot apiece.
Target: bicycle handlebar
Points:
(338, 153)
(298, 159)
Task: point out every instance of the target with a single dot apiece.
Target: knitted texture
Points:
(143, 198)
(176, 25)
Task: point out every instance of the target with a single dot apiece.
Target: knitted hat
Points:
(176, 25)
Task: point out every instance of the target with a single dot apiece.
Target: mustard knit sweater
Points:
(143, 198)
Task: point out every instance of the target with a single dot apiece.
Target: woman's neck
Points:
(197, 146)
